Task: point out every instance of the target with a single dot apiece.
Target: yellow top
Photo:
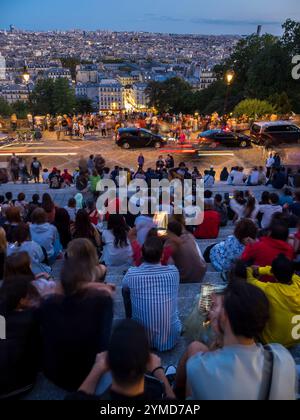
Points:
(284, 307)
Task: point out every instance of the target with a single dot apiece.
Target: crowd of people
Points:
(63, 326)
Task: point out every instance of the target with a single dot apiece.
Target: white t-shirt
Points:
(238, 178)
(268, 210)
(236, 373)
(112, 255)
(254, 177)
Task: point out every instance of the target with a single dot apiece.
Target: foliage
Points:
(254, 108)
(5, 108)
(83, 105)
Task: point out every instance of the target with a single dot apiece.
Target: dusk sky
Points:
(177, 16)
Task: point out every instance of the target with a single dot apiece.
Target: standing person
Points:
(35, 169)
(14, 168)
(91, 164)
(151, 295)
(141, 160)
(58, 129)
(103, 129)
(23, 171)
(269, 165)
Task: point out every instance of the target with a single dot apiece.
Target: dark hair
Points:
(21, 233)
(283, 269)
(247, 308)
(245, 228)
(129, 365)
(2, 199)
(62, 223)
(72, 202)
(18, 264)
(152, 250)
(21, 196)
(13, 290)
(297, 195)
(175, 227)
(250, 206)
(35, 198)
(279, 229)
(274, 198)
(83, 226)
(8, 196)
(13, 215)
(73, 276)
(287, 191)
(116, 223)
(265, 197)
(39, 216)
(47, 203)
(208, 194)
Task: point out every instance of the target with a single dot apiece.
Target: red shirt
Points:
(265, 251)
(209, 228)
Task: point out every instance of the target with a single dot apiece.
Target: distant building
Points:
(87, 73)
(207, 77)
(139, 95)
(58, 73)
(90, 91)
(14, 93)
(111, 95)
(2, 67)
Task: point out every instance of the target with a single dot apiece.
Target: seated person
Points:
(284, 299)
(267, 248)
(186, 255)
(123, 372)
(225, 253)
(209, 228)
(268, 210)
(75, 325)
(151, 296)
(237, 318)
(19, 352)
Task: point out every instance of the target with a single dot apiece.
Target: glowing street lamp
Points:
(229, 76)
(26, 78)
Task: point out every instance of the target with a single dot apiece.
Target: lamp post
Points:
(229, 76)
(26, 78)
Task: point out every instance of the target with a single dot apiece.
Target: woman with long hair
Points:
(116, 247)
(13, 219)
(82, 249)
(251, 209)
(62, 223)
(49, 207)
(83, 228)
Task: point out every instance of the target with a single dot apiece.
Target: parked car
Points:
(274, 133)
(139, 137)
(222, 138)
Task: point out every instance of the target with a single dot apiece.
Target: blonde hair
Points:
(3, 242)
(83, 249)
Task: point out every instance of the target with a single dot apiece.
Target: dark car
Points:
(222, 138)
(138, 137)
(274, 133)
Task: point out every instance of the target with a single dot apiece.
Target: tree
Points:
(70, 63)
(281, 102)
(291, 36)
(169, 96)
(84, 105)
(254, 108)
(22, 109)
(5, 108)
(53, 97)
(63, 97)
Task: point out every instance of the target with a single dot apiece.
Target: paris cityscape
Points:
(149, 203)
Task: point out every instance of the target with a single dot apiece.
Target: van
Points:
(274, 133)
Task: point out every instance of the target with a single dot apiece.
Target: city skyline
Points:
(169, 16)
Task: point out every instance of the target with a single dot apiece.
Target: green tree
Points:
(63, 97)
(254, 108)
(22, 109)
(291, 36)
(84, 105)
(5, 108)
(42, 97)
(281, 102)
(71, 63)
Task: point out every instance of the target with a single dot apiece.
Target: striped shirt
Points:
(154, 300)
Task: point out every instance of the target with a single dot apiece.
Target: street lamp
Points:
(26, 78)
(229, 76)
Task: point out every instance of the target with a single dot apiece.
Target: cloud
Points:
(208, 21)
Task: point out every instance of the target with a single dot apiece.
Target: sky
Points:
(175, 16)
